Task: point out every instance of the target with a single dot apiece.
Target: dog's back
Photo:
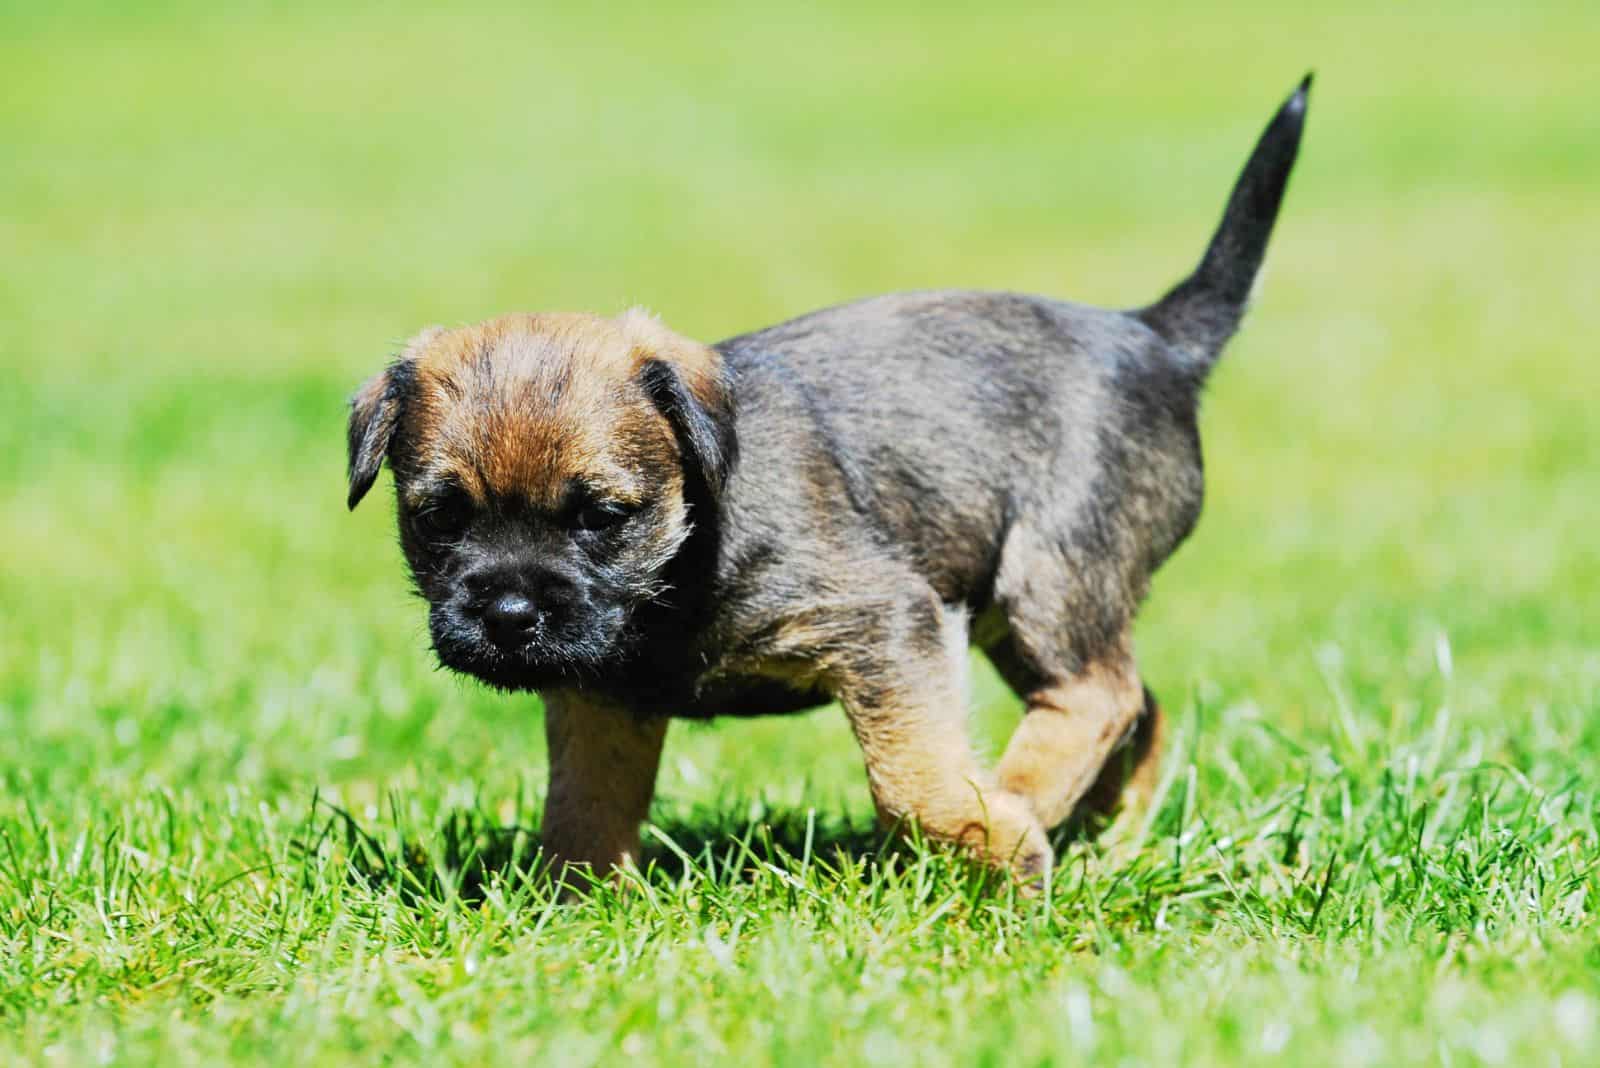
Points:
(942, 416)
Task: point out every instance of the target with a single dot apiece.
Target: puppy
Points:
(637, 526)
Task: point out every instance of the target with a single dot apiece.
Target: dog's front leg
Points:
(603, 763)
(907, 702)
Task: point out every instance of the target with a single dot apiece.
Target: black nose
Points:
(510, 619)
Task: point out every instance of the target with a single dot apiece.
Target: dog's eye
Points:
(598, 515)
(444, 519)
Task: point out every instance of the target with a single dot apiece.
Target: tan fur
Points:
(523, 405)
(1128, 781)
(858, 478)
(603, 763)
(1071, 728)
(910, 719)
(519, 408)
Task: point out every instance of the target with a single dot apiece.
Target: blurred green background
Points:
(215, 220)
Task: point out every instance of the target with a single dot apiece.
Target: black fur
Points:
(638, 527)
(972, 444)
(1203, 311)
(375, 414)
(705, 431)
(1027, 461)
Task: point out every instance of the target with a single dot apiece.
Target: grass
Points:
(243, 819)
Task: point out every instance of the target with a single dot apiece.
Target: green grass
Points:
(243, 818)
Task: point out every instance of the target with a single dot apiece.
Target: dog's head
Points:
(546, 469)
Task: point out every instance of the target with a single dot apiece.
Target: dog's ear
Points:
(688, 382)
(375, 412)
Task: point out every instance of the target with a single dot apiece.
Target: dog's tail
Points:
(1203, 311)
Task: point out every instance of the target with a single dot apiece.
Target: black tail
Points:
(1202, 313)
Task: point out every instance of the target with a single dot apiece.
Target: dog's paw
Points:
(1011, 838)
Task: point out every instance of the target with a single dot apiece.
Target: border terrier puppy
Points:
(638, 526)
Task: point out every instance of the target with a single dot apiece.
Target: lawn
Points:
(242, 816)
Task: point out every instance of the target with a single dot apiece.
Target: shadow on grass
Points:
(469, 853)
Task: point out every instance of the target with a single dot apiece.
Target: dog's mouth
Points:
(554, 653)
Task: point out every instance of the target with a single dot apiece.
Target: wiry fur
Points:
(829, 508)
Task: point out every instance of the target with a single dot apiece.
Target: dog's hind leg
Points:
(1129, 779)
(1087, 735)
(1091, 734)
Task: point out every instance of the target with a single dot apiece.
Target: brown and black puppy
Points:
(638, 526)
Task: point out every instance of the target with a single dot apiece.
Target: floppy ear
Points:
(701, 414)
(375, 413)
(689, 384)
